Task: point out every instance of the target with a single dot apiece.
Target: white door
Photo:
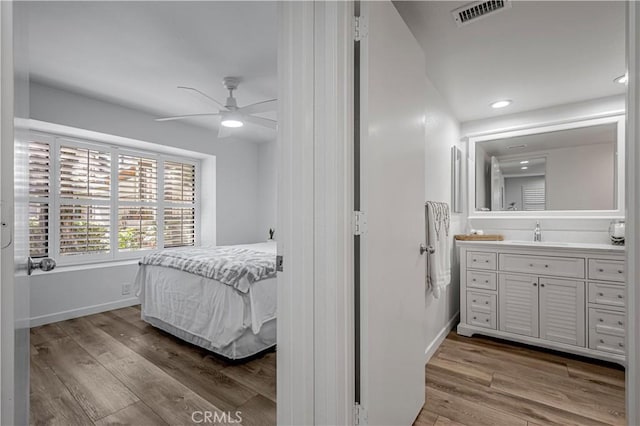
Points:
(562, 316)
(518, 300)
(392, 153)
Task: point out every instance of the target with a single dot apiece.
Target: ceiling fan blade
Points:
(258, 107)
(203, 94)
(264, 122)
(180, 117)
(224, 132)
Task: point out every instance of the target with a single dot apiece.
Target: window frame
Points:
(55, 200)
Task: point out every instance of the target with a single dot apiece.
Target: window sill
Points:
(87, 266)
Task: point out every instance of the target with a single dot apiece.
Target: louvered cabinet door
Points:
(562, 311)
(518, 296)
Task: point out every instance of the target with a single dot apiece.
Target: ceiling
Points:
(136, 53)
(538, 54)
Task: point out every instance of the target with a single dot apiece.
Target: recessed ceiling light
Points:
(524, 162)
(524, 168)
(501, 104)
(622, 79)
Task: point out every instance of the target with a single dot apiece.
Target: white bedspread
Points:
(205, 307)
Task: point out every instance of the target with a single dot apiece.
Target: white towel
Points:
(438, 262)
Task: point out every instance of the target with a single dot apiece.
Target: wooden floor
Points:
(113, 368)
(479, 381)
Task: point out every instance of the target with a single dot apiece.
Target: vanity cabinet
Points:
(566, 297)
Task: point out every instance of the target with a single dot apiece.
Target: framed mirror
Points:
(569, 169)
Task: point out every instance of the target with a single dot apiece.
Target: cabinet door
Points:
(518, 296)
(562, 316)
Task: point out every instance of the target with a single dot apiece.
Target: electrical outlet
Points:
(126, 289)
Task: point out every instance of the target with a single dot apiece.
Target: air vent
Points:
(478, 9)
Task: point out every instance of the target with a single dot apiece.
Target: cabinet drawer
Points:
(481, 302)
(543, 265)
(483, 280)
(481, 260)
(607, 294)
(603, 322)
(606, 270)
(606, 343)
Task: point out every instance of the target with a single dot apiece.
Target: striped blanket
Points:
(233, 266)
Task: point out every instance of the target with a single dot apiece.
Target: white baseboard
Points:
(435, 344)
(80, 312)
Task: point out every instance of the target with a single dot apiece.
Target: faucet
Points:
(537, 233)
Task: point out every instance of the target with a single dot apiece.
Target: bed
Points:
(222, 299)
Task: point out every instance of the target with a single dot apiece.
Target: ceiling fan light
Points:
(231, 122)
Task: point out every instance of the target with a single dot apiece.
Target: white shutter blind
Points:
(137, 199)
(137, 178)
(84, 173)
(85, 190)
(179, 198)
(179, 182)
(39, 191)
(84, 229)
(533, 198)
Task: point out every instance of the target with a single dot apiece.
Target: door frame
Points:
(7, 333)
(632, 168)
(315, 203)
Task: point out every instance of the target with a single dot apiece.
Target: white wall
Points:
(267, 188)
(581, 178)
(442, 132)
(587, 230)
(235, 196)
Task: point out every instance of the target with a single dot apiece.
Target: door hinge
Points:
(360, 28)
(359, 223)
(359, 415)
(279, 263)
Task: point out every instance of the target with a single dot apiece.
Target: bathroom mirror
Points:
(571, 167)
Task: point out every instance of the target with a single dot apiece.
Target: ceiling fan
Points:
(231, 115)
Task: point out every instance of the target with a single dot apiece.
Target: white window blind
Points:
(179, 199)
(89, 201)
(137, 201)
(533, 198)
(84, 176)
(39, 177)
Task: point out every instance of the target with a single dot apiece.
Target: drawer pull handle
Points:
(486, 303)
(486, 261)
(486, 281)
(531, 265)
(600, 270)
(535, 284)
(546, 266)
(621, 345)
(487, 320)
(474, 280)
(474, 300)
(600, 319)
(620, 323)
(601, 341)
(475, 260)
(620, 271)
(620, 296)
(600, 294)
(475, 318)
(541, 285)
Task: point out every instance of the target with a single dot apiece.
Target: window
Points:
(179, 198)
(90, 201)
